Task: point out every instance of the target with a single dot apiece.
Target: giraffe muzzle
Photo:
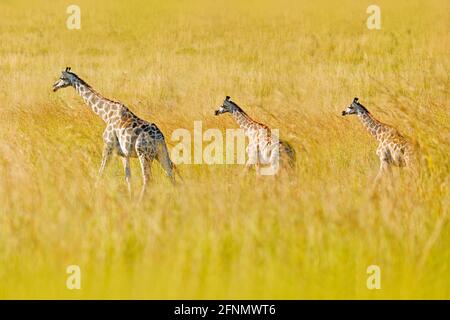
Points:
(219, 111)
(56, 85)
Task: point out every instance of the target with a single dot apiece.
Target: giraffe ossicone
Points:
(126, 134)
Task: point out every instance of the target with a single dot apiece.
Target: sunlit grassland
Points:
(294, 66)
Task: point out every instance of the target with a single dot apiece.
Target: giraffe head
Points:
(66, 79)
(354, 108)
(227, 106)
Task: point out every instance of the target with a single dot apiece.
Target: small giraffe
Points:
(126, 134)
(263, 147)
(393, 149)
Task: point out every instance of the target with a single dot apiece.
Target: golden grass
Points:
(291, 66)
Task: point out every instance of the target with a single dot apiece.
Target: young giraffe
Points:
(263, 147)
(125, 134)
(393, 149)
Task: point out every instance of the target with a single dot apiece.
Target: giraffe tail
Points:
(167, 163)
(289, 151)
(177, 172)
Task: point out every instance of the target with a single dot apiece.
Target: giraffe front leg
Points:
(106, 156)
(252, 160)
(127, 169)
(257, 162)
(247, 168)
(377, 179)
(380, 171)
(385, 167)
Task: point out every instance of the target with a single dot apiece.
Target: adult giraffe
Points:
(126, 134)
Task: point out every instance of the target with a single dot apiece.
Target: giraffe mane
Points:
(362, 107)
(78, 78)
(237, 107)
(90, 87)
(246, 114)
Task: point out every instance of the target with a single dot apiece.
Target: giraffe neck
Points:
(242, 119)
(93, 99)
(372, 125)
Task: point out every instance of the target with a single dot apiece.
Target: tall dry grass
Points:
(293, 66)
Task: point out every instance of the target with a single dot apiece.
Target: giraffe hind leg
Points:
(385, 167)
(145, 151)
(146, 161)
(127, 169)
(252, 154)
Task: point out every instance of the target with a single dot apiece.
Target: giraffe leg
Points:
(384, 167)
(258, 170)
(252, 160)
(274, 166)
(274, 161)
(258, 162)
(247, 168)
(106, 156)
(377, 179)
(145, 162)
(127, 169)
(380, 172)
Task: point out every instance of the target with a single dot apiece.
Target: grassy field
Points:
(294, 65)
